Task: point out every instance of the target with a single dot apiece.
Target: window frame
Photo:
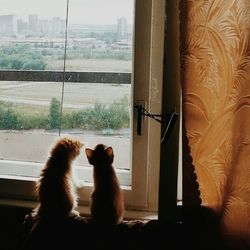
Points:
(147, 83)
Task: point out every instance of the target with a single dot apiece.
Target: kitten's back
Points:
(55, 188)
(107, 204)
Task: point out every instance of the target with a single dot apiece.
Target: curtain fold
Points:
(215, 78)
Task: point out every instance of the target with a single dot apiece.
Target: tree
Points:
(54, 114)
(21, 57)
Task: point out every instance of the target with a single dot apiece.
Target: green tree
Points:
(54, 114)
(21, 57)
(8, 117)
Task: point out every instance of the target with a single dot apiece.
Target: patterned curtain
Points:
(215, 77)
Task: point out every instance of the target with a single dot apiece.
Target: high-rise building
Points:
(58, 25)
(33, 23)
(8, 24)
(45, 26)
(122, 28)
(22, 26)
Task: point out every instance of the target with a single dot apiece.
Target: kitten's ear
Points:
(89, 152)
(109, 152)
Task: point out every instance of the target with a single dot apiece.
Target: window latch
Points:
(168, 119)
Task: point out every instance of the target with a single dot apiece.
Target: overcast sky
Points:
(80, 11)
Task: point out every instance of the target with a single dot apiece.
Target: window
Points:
(78, 68)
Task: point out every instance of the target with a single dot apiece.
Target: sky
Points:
(80, 11)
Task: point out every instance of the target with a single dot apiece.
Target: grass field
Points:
(36, 96)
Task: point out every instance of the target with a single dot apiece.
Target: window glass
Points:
(96, 108)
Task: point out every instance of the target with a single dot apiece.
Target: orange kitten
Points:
(107, 205)
(56, 194)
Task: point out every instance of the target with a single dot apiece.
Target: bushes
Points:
(114, 116)
(32, 121)
(21, 57)
(8, 117)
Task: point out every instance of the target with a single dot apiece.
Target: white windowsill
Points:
(84, 210)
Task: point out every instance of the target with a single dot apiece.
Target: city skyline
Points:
(80, 11)
(10, 25)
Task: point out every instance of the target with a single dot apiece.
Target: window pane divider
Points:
(57, 76)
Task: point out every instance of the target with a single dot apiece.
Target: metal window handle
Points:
(169, 119)
(139, 109)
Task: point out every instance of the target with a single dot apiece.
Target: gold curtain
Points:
(215, 78)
